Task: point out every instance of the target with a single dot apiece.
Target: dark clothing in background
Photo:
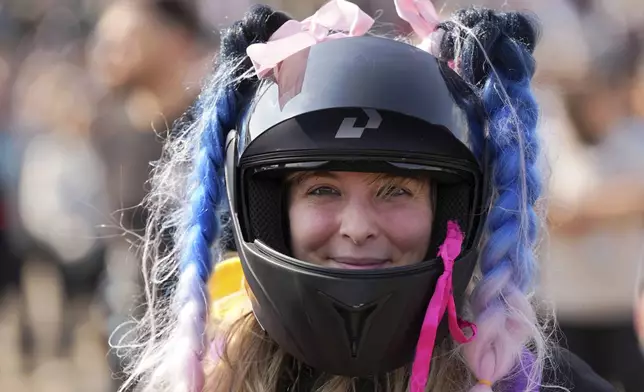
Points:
(613, 351)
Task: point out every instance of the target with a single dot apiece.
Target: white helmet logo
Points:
(347, 129)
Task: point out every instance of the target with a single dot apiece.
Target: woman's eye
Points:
(392, 191)
(323, 191)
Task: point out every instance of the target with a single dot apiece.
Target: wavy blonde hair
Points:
(248, 360)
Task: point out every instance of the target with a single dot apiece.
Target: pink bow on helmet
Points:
(422, 17)
(284, 55)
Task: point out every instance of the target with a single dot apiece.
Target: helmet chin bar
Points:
(333, 320)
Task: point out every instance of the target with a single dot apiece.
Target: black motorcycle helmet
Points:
(367, 104)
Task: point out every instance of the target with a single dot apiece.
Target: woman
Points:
(359, 215)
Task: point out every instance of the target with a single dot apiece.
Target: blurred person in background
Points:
(60, 190)
(10, 260)
(592, 256)
(54, 181)
(150, 57)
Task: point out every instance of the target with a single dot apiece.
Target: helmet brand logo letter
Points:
(347, 129)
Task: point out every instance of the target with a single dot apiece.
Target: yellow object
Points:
(486, 382)
(228, 291)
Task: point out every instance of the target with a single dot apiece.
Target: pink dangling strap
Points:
(442, 300)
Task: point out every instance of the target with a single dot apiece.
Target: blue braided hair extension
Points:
(492, 52)
(206, 201)
(175, 339)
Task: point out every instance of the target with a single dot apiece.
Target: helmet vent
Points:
(356, 318)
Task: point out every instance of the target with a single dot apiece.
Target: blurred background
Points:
(89, 89)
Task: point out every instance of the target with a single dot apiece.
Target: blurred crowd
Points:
(90, 88)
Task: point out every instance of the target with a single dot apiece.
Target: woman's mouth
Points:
(359, 263)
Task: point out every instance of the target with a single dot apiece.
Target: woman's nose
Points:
(359, 222)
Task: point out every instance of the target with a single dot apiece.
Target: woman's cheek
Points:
(409, 227)
(311, 226)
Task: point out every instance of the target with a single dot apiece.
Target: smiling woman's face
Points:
(359, 220)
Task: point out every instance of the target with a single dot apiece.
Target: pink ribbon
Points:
(442, 300)
(422, 17)
(284, 55)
